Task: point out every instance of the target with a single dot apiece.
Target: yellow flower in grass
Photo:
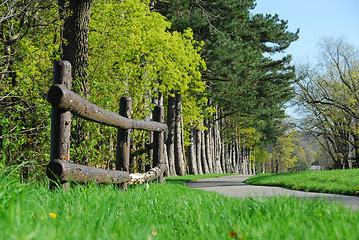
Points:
(52, 215)
(356, 192)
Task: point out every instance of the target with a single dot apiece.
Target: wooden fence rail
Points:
(65, 103)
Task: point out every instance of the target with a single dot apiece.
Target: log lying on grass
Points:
(152, 174)
(65, 99)
(65, 171)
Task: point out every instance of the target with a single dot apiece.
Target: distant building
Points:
(315, 168)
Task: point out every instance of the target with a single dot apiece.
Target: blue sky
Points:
(315, 19)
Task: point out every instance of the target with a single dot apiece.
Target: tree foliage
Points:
(241, 76)
(131, 53)
(286, 153)
(329, 95)
(29, 43)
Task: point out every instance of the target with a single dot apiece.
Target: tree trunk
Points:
(227, 158)
(247, 162)
(171, 112)
(76, 34)
(254, 164)
(192, 160)
(238, 156)
(243, 163)
(233, 156)
(203, 154)
(217, 148)
(207, 147)
(240, 160)
(75, 49)
(199, 151)
(180, 160)
(223, 157)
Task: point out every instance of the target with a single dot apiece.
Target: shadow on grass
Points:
(258, 178)
(190, 178)
(178, 181)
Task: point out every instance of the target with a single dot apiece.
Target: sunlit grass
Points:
(168, 211)
(335, 181)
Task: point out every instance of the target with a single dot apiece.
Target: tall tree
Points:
(131, 46)
(283, 157)
(240, 77)
(329, 94)
(76, 15)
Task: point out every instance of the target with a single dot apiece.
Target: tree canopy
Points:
(242, 77)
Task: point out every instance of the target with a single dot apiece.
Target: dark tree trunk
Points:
(203, 154)
(356, 149)
(75, 49)
(227, 158)
(158, 140)
(192, 159)
(76, 34)
(247, 152)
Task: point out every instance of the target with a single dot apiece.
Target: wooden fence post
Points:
(158, 140)
(65, 103)
(60, 120)
(124, 137)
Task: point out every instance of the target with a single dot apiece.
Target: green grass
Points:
(168, 211)
(335, 181)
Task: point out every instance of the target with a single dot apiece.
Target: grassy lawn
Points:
(335, 181)
(168, 211)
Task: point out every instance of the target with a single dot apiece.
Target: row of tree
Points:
(208, 62)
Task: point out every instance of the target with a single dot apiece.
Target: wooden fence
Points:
(65, 103)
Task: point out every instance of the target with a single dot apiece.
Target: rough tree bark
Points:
(207, 147)
(171, 111)
(63, 98)
(65, 171)
(218, 145)
(238, 156)
(191, 154)
(198, 143)
(203, 154)
(75, 33)
(180, 160)
(228, 158)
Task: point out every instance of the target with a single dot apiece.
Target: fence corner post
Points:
(158, 140)
(60, 120)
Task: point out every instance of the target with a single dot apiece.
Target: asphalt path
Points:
(234, 186)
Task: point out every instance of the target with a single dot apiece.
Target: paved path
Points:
(233, 186)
